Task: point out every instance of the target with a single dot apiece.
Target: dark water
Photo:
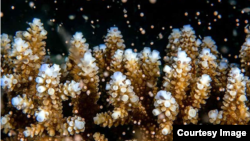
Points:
(94, 17)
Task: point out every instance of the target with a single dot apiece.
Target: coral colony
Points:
(130, 86)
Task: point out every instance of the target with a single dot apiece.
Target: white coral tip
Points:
(118, 76)
(51, 91)
(213, 114)
(16, 101)
(192, 112)
(125, 98)
(107, 86)
(39, 80)
(102, 47)
(156, 112)
(41, 89)
(167, 104)
(26, 133)
(164, 95)
(116, 115)
(36, 21)
(248, 41)
(187, 28)
(41, 116)
(167, 69)
(4, 120)
(205, 79)
(78, 36)
(164, 131)
(79, 124)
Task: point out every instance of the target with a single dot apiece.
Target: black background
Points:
(164, 13)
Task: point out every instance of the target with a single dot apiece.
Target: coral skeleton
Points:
(126, 91)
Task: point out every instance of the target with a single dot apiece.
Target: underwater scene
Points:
(122, 70)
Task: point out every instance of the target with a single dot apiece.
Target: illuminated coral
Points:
(116, 87)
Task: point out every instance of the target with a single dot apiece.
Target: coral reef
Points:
(113, 87)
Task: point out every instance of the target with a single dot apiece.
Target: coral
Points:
(121, 89)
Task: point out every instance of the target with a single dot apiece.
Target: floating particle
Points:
(49, 22)
(237, 24)
(246, 21)
(224, 49)
(81, 9)
(124, 11)
(108, 6)
(132, 44)
(212, 4)
(59, 57)
(163, 28)
(125, 15)
(12, 7)
(186, 13)
(232, 2)
(72, 17)
(97, 20)
(199, 23)
(152, 1)
(151, 43)
(1, 14)
(127, 22)
(53, 20)
(31, 4)
(139, 6)
(234, 32)
(124, 1)
(170, 27)
(141, 14)
(215, 20)
(85, 17)
(215, 13)
(219, 16)
(152, 26)
(92, 22)
(209, 27)
(55, 1)
(160, 36)
(143, 32)
(225, 39)
(197, 13)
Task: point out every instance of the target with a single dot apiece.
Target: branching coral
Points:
(116, 87)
